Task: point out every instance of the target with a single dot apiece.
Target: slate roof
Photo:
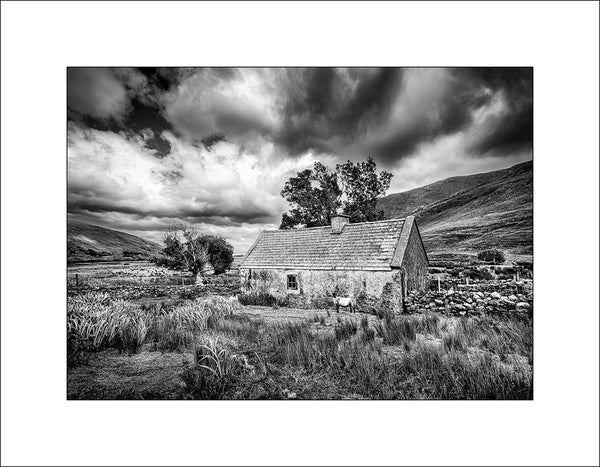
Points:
(367, 245)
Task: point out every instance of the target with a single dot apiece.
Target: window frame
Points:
(294, 277)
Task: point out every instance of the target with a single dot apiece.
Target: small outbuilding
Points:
(343, 258)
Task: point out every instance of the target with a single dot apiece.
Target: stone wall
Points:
(484, 298)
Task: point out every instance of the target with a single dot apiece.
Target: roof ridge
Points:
(374, 222)
(329, 226)
(298, 230)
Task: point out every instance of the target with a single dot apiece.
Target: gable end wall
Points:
(415, 263)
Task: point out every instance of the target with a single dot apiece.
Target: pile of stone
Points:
(473, 302)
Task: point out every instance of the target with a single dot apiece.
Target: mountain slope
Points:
(463, 215)
(87, 242)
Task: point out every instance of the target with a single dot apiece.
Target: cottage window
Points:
(292, 282)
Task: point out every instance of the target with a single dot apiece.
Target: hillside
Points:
(463, 215)
(87, 242)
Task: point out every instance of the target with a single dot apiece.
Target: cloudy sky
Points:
(213, 147)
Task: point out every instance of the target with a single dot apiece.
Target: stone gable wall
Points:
(415, 263)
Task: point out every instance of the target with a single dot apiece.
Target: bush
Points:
(321, 303)
(366, 303)
(390, 302)
(479, 274)
(491, 256)
(262, 299)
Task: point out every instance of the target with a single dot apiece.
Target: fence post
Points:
(439, 287)
(76, 280)
(467, 280)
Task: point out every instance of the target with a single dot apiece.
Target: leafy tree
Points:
(317, 194)
(363, 187)
(220, 253)
(314, 195)
(186, 249)
(491, 256)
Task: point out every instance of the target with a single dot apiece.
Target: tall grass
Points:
(424, 370)
(397, 331)
(345, 329)
(352, 357)
(499, 336)
(214, 371)
(94, 322)
(437, 374)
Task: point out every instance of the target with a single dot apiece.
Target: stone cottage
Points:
(344, 258)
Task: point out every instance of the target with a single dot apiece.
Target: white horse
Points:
(345, 302)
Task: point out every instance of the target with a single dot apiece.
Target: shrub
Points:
(491, 256)
(478, 274)
(390, 301)
(321, 302)
(366, 303)
(262, 299)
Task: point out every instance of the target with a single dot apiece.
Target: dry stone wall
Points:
(479, 298)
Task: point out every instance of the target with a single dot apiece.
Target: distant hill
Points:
(463, 215)
(87, 242)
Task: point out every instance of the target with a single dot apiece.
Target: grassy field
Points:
(215, 348)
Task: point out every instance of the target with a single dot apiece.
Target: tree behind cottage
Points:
(317, 194)
(186, 249)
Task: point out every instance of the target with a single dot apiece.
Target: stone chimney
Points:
(338, 221)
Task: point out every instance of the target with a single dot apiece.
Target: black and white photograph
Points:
(291, 233)
(300, 233)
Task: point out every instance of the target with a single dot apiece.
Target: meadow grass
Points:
(94, 322)
(239, 356)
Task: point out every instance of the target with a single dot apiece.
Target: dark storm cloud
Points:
(512, 130)
(467, 91)
(218, 215)
(97, 93)
(326, 110)
(329, 110)
(123, 100)
(326, 106)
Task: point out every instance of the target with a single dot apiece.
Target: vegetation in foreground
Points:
(217, 351)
